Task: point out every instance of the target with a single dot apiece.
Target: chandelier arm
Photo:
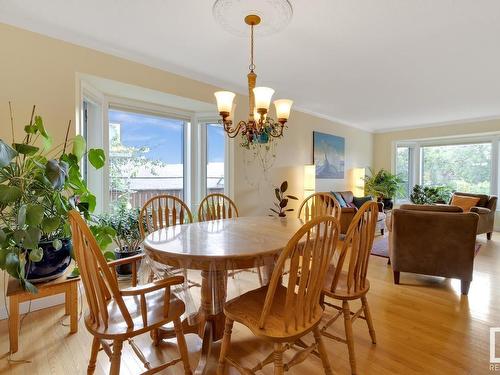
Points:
(233, 132)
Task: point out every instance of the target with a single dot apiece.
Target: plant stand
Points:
(17, 296)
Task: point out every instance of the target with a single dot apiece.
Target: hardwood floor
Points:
(423, 326)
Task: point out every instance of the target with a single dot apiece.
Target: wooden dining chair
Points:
(163, 211)
(352, 284)
(217, 206)
(282, 313)
(119, 315)
(319, 204)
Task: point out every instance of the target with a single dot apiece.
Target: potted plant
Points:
(430, 194)
(384, 186)
(282, 200)
(39, 184)
(127, 236)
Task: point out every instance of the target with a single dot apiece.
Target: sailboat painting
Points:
(329, 156)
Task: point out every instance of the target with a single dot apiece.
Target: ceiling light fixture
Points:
(259, 128)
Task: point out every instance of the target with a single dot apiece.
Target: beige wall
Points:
(35, 69)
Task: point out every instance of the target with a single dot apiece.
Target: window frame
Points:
(194, 143)
(417, 162)
(202, 121)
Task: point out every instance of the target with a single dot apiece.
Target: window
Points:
(469, 165)
(215, 158)
(404, 167)
(462, 167)
(152, 148)
(146, 157)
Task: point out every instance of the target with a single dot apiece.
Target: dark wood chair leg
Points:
(465, 284)
(488, 235)
(396, 277)
(382, 231)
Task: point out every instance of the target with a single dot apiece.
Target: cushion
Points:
(359, 201)
(339, 199)
(483, 198)
(347, 195)
(465, 203)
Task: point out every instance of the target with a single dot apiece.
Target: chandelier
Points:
(259, 128)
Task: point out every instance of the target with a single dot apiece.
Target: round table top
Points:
(224, 244)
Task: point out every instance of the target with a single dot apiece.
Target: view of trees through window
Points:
(403, 156)
(465, 167)
(145, 157)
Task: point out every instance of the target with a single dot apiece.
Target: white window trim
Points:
(417, 145)
(194, 142)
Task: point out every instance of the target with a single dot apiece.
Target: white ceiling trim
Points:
(332, 119)
(470, 121)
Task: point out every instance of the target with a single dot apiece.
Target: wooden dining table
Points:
(214, 248)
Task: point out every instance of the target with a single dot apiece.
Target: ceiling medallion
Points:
(274, 14)
(259, 128)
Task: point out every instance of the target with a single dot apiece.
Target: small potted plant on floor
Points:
(127, 237)
(385, 186)
(39, 185)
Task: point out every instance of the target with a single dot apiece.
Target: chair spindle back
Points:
(163, 211)
(309, 253)
(98, 281)
(319, 204)
(359, 241)
(217, 206)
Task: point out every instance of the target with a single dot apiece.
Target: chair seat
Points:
(341, 291)
(247, 310)
(155, 318)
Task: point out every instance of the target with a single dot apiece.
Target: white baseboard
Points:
(37, 304)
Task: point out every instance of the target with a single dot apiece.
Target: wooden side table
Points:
(17, 295)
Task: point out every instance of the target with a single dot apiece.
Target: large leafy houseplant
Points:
(384, 185)
(39, 184)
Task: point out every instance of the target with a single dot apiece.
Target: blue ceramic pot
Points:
(53, 263)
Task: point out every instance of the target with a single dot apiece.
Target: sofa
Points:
(433, 240)
(485, 208)
(347, 202)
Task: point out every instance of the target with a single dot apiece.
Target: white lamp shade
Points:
(309, 178)
(263, 97)
(283, 107)
(224, 100)
(358, 176)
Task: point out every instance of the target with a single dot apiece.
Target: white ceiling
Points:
(375, 64)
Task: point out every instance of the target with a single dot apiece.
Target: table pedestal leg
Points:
(212, 319)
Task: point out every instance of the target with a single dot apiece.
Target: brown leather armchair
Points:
(347, 213)
(433, 240)
(485, 208)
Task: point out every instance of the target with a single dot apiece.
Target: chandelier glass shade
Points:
(259, 127)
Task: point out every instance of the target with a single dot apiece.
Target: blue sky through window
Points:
(163, 136)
